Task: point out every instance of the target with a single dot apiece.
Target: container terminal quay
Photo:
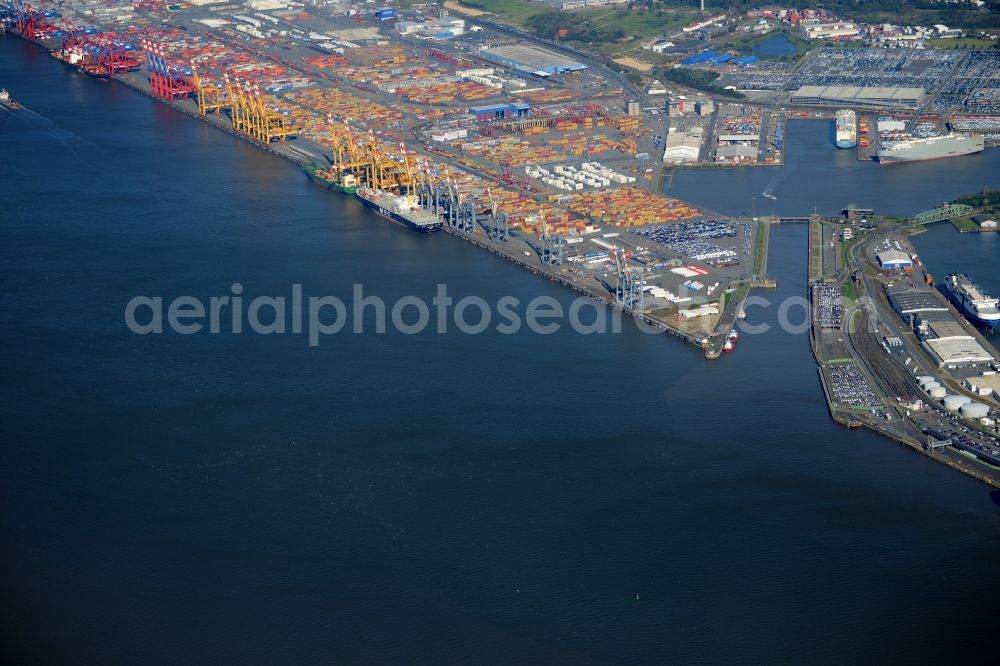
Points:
(547, 158)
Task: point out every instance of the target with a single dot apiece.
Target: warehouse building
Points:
(988, 384)
(745, 139)
(958, 352)
(909, 302)
(858, 97)
(839, 30)
(499, 111)
(531, 58)
(894, 260)
(683, 146)
(737, 153)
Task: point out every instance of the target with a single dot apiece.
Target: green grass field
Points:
(964, 224)
(763, 228)
(515, 12)
(849, 294)
(637, 26)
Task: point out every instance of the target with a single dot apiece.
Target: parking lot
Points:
(969, 81)
(849, 387)
(827, 306)
(691, 239)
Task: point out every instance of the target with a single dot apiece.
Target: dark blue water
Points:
(430, 498)
(778, 46)
(944, 250)
(817, 176)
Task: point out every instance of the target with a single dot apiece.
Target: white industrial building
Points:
(694, 27)
(988, 384)
(683, 146)
(571, 5)
(955, 352)
(858, 96)
(894, 259)
(264, 5)
(736, 153)
(745, 139)
(840, 30)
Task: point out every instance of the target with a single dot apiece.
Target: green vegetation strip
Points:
(759, 257)
(849, 293)
(964, 224)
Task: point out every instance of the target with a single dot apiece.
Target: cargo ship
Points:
(404, 210)
(933, 148)
(327, 177)
(7, 101)
(847, 129)
(975, 304)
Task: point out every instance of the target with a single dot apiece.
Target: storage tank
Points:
(974, 410)
(954, 402)
(937, 392)
(927, 386)
(924, 378)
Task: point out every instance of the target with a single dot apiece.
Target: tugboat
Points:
(7, 101)
(731, 341)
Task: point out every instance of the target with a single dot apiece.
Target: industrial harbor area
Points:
(590, 163)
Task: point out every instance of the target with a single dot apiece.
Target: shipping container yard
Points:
(521, 150)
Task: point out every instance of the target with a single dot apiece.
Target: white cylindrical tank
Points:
(937, 392)
(974, 410)
(954, 402)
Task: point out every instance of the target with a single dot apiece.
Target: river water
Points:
(417, 498)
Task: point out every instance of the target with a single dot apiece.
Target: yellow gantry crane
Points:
(408, 175)
(210, 98)
(346, 154)
(253, 117)
(383, 171)
(240, 106)
(272, 124)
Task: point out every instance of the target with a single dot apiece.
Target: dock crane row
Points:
(250, 111)
(631, 285)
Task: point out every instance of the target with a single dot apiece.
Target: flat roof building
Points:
(683, 146)
(908, 302)
(858, 97)
(894, 259)
(947, 329)
(988, 385)
(739, 138)
(736, 153)
(531, 58)
(958, 352)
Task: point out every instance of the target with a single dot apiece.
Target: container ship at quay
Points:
(402, 209)
(975, 304)
(847, 129)
(342, 181)
(933, 148)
